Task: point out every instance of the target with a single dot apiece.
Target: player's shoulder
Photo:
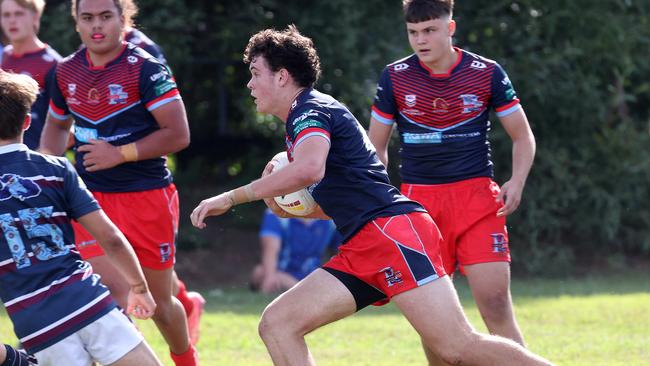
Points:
(73, 60)
(475, 61)
(50, 55)
(57, 162)
(402, 64)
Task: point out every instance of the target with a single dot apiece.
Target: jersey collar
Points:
(12, 147)
(451, 69)
(109, 63)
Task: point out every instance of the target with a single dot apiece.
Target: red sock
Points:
(182, 297)
(189, 358)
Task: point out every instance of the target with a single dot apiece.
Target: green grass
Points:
(588, 321)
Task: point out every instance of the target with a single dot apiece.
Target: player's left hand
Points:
(511, 196)
(213, 206)
(100, 155)
(141, 305)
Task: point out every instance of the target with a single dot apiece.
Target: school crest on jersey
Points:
(15, 186)
(471, 103)
(117, 95)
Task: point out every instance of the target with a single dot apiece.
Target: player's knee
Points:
(274, 320)
(455, 351)
(496, 307)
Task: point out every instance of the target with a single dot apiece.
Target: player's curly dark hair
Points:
(286, 49)
(416, 11)
(17, 94)
(127, 8)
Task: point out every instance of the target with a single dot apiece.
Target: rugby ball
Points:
(299, 203)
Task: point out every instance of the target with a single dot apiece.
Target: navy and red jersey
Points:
(40, 66)
(48, 290)
(443, 119)
(141, 40)
(356, 188)
(114, 103)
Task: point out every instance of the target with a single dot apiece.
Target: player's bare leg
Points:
(142, 355)
(317, 300)
(436, 314)
(490, 284)
(170, 316)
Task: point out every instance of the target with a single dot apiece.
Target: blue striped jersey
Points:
(48, 290)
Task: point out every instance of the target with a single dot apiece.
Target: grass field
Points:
(589, 321)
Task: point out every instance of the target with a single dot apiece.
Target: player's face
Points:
(431, 39)
(100, 25)
(18, 23)
(263, 85)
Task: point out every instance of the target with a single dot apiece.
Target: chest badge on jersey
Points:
(117, 95)
(440, 106)
(471, 103)
(410, 100)
(93, 96)
(72, 90)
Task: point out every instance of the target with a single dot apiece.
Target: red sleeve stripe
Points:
(163, 99)
(507, 106)
(309, 132)
(57, 112)
(382, 117)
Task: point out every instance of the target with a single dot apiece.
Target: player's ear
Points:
(27, 122)
(283, 77)
(452, 27)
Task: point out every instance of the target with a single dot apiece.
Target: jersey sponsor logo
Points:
(162, 74)
(410, 100)
(163, 86)
(93, 96)
(413, 112)
(400, 67)
(83, 134)
(15, 186)
(304, 116)
(471, 103)
(72, 89)
(477, 65)
(422, 138)
(440, 106)
(132, 59)
(499, 243)
(392, 277)
(116, 94)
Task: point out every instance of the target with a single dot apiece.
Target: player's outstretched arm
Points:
(379, 134)
(307, 168)
(55, 135)
(523, 153)
(140, 302)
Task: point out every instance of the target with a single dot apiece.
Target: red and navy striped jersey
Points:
(48, 290)
(40, 66)
(356, 188)
(443, 119)
(114, 103)
(141, 40)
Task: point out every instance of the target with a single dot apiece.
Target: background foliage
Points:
(580, 68)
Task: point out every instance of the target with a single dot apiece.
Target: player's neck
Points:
(11, 142)
(27, 45)
(443, 64)
(101, 59)
(289, 97)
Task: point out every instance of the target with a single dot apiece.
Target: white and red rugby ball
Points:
(299, 203)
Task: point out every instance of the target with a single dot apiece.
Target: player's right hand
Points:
(213, 206)
(141, 305)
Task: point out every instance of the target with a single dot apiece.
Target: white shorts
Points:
(105, 340)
